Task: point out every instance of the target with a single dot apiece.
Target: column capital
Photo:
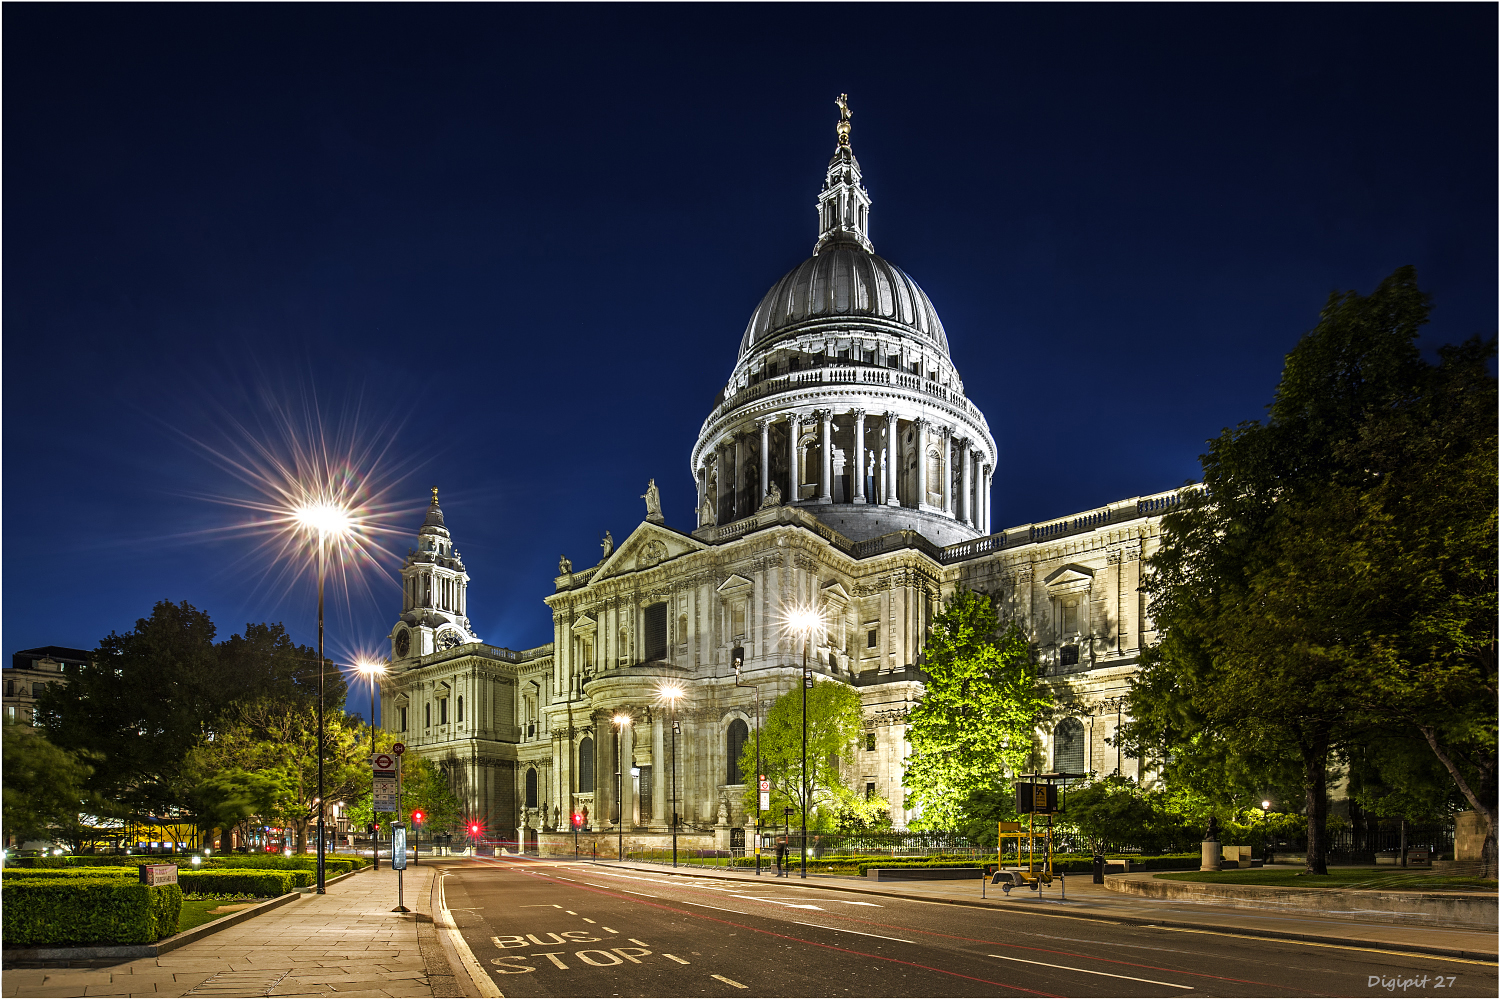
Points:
(858, 413)
(792, 417)
(761, 423)
(891, 416)
(824, 414)
(922, 422)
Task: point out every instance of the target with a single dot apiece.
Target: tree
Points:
(834, 726)
(1289, 590)
(45, 787)
(975, 723)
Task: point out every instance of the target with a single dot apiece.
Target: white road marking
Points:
(588, 921)
(679, 961)
(639, 942)
(731, 982)
(570, 913)
(694, 902)
(764, 899)
(634, 893)
(611, 930)
(1092, 972)
(842, 930)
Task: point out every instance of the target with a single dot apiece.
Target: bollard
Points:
(1098, 869)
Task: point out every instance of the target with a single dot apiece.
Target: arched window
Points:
(1067, 746)
(531, 788)
(738, 734)
(586, 764)
(460, 708)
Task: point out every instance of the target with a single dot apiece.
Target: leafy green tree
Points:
(834, 726)
(232, 797)
(975, 723)
(1280, 628)
(45, 787)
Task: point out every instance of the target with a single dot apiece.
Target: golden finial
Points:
(434, 494)
(844, 116)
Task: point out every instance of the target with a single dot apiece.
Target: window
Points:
(403, 719)
(10, 689)
(869, 357)
(737, 622)
(656, 631)
(531, 788)
(10, 713)
(586, 764)
(38, 688)
(870, 740)
(894, 361)
(872, 638)
(1067, 746)
(460, 708)
(738, 734)
(442, 711)
(645, 797)
(428, 714)
(869, 790)
(682, 635)
(1069, 656)
(1070, 617)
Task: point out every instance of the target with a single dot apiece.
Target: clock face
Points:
(448, 638)
(403, 642)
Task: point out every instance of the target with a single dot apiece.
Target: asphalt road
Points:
(564, 929)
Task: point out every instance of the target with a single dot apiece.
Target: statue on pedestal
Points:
(607, 543)
(564, 566)
(653, 503)
(772, 497)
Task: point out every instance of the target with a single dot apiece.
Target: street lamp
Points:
(670, 693)
(621, 720)
(371, 670)
(1265, 825)
(804, 622)
(326, 519)
(739, 661)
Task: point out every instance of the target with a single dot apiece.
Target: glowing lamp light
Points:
(1265, 804)
(622, 719)
(670, 692)
(803, 621)
(287, 852)
(327, 519)
(197, 861)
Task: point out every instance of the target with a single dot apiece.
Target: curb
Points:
(166, 944)
(1147, 921)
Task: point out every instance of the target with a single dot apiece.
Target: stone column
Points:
(825, 448)
(765, 460)
(702, 488)
(739, 475)
(859, 455)
(984, 503)
(794, 474)
(921, 435)
(947, 435)
(659, 765)
(891, 443)
(966, 470)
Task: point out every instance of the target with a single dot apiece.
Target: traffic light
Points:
(577, 821)
(417, 816)
(473, 829)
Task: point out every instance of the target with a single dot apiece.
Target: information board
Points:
(398, 846)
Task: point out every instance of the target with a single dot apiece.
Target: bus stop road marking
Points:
(731, 982)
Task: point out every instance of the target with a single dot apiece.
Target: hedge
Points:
(242, 881)
(78, 911)
(332, 864)
(278, 862)
(980, 862)
(31, 874)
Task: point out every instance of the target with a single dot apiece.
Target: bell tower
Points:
(843, 204)
(434, 593)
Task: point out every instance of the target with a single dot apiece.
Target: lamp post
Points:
(1265, 825)
(804, 622)
(370, 669)
(739, 661)
(324, 518)
(670, 693)
(621, 721)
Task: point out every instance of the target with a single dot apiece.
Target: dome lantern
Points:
(843, 204)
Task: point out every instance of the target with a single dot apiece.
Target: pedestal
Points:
(1212, 856)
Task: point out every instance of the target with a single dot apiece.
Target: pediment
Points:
(584, 623)
(1070, 574)
(734, 583)
(647, 546)
(834, 591)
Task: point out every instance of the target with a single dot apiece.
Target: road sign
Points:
(765, 785)
(382, 762)
(765, 801)
(398, 846)
(399, 749)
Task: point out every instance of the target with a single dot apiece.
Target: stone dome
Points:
(844, 282)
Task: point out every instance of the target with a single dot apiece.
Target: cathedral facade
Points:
(842, 469)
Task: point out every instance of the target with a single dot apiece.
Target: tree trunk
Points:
(302, 836)
(1485, 809)
(1315, 783)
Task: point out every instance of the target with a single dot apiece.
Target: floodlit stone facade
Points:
(842, 469)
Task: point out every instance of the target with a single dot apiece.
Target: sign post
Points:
(398, 836)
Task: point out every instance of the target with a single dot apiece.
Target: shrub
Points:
(865, 867)
(31, 874)
(279, 862)
(75, 911)
(243, 881)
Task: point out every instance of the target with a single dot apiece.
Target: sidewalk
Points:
(346, 942)
(1088, 901)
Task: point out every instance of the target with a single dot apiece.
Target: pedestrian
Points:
(780, 854)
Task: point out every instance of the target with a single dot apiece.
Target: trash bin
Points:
(1098, 869)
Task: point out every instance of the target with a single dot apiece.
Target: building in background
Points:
(842, 468)
(30, 671)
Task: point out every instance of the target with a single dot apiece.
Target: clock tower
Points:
(434, 587)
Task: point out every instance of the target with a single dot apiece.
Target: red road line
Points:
(787, 937)
(1069, 954)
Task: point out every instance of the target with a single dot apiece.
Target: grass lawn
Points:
(196, 911)
(1338, 878)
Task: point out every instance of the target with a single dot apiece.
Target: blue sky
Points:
(524, 241)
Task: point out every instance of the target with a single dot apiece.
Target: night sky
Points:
(514, 250)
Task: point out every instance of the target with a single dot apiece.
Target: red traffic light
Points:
(416, 816)
(578, 821)
(474, 829)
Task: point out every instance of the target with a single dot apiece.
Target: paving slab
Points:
(346, 942)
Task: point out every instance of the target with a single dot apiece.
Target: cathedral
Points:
(842, 469)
